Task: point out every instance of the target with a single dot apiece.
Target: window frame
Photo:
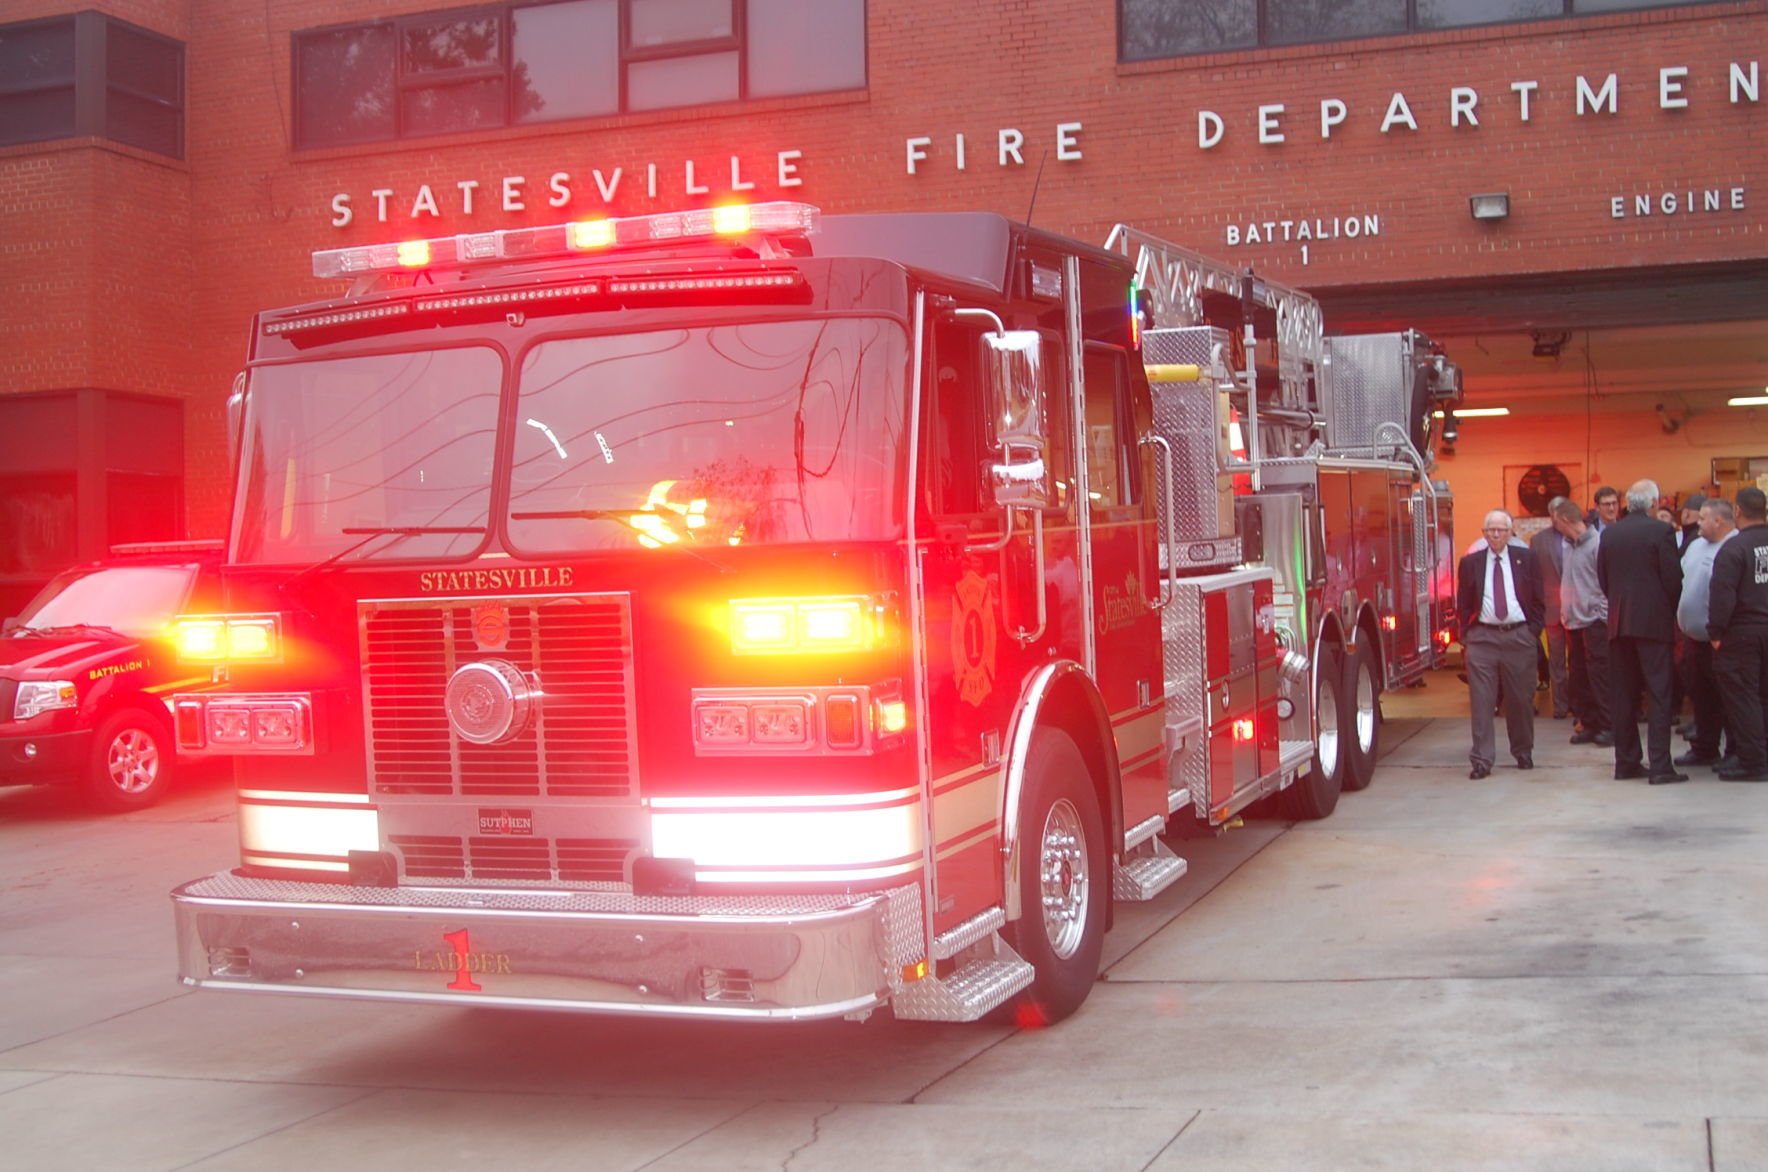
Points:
(625, 54)
(90, 83)
(1126, 453)
(1262, 29)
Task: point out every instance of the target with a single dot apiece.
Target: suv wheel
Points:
(132, 761)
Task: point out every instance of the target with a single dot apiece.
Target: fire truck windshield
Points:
(340, 447)
(757, 433)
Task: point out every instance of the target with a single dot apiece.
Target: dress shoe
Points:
(1479, 771)
(1560, 715)
(1584, 737)
(1693, 758)
(1604, 740)
(1666, 778)
(1729, 761)
(1524, 761)
(1742, 774)
(1629, 772)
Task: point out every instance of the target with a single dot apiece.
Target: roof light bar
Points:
(784, 280)
(511, 296)
(776, 218)
(340, 317)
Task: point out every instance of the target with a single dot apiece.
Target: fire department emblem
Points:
(973, 638)
(491, 627)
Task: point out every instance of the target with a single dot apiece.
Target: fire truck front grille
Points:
(579, 743)
(568, 860)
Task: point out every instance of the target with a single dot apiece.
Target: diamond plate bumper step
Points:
(969, 992)
(1148, 872)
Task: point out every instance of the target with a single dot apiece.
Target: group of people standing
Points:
(1630, 606)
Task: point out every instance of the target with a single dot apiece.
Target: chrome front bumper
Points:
(761, 957)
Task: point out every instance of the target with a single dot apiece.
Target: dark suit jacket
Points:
(1549, 550)
(1641, 573)
(1470, 587)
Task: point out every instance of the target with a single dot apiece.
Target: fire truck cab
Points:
(757, 614)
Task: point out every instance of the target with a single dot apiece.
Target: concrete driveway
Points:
(1547, 970)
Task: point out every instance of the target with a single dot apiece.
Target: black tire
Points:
(1061, 833)
(132, 761)
(1362, 704)
(1315, 794)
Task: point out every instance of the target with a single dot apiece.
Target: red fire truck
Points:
(748, 613)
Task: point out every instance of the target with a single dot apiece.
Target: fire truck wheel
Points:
(1062, 881)
(132, 761)
(1315, 796)
(1362, 702)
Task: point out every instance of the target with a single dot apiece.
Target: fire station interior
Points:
(1607, 378)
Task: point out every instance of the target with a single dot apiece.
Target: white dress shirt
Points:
(1487, 608)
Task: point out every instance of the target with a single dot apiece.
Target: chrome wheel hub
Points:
(1062, 878)
(1328, 712)
(1365, 712)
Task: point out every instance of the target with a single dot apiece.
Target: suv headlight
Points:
(43, 696)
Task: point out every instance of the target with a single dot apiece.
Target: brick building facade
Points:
(1630, 146)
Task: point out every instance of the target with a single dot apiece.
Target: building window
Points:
(471, 69)
(88, 74)
(1150, 29)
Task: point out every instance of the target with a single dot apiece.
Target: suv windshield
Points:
(138, 601)
(337, 448)
(759, 433)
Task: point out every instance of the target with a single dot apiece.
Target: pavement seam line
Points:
(1183, 1128)
(915, 1097)
(1105, 976)
(277, 1130)
(701, 1134)
(98, 1022)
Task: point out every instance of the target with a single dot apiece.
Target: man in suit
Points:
(1641, 574)
(1498, 600)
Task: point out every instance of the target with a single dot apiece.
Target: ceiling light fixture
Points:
(1748, 401)
(1476, 412)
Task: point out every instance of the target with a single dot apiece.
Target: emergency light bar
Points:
(778, 218)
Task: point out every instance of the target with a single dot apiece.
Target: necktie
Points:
(1500, 609)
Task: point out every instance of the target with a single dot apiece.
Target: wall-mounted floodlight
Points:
(1492, 206)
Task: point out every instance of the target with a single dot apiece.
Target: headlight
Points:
(228, 638)
(772, 626)
(43, 696)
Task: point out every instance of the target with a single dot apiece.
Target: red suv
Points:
(85, 669)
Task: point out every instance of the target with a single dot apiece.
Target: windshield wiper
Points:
(74, 627)
(369, 533)
(620, 517)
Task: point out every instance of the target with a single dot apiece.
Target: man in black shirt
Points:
(1737, 623)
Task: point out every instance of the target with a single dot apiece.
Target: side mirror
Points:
(1015, 378)
(1016, 418)
(9, 625)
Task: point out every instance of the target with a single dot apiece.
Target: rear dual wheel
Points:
(1362, 725)
(1315, 795)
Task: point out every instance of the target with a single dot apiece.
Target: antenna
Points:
(1042, 159)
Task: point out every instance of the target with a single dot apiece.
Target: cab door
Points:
(1119, 560)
